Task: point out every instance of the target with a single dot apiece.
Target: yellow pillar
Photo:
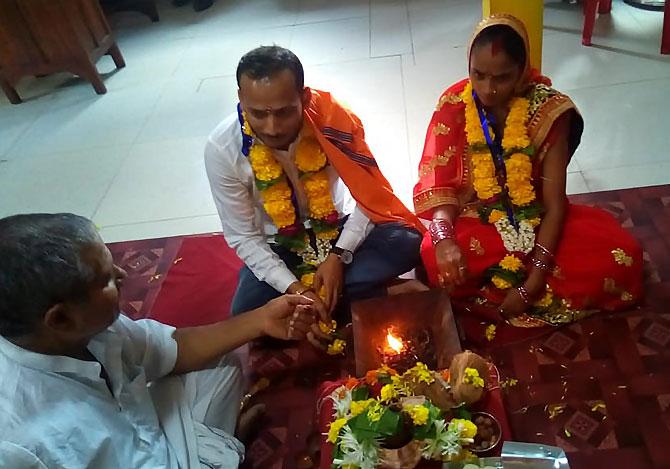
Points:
(531, 13)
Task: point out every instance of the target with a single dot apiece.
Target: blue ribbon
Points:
(496, 149)
(247, 140)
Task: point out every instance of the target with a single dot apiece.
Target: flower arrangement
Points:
(278, 198)
(420, 409)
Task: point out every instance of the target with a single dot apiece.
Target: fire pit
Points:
(400, 330)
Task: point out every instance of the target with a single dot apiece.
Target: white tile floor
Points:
(132, 160)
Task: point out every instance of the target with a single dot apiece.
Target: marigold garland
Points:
(517, 153)
(277, 197)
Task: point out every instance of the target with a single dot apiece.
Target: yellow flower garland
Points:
(277, 195)
(515, 137)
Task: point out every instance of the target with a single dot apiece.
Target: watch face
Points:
(346, 257)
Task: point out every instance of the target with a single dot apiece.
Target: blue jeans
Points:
(390, 249)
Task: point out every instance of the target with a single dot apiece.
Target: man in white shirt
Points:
(379, 238)
(83, 387)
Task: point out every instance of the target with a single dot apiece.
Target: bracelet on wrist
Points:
(523, 293)
(540, 264)
(441, 229)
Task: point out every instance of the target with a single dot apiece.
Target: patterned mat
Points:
(600, 388)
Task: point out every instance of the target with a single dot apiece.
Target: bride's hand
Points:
(450, 263)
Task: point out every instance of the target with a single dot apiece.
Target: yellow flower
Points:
(337, 347)
(309, 156)
(419, 413)
(334, 430)
(546, 300)
(501, 283)
(375, 411)
(316, 184)
(535, 221)
(281, 212)
(472, 377)
(307, 279)
(420, 373)
(264, 164)
(490, 332)
(328, 234)
(277, 192)
(495, 215)
(358, 407)
(327, 329)
(466, 427)
(321, 206)
(388, 393)
(246, 128)
(516, 132)
(511, 263)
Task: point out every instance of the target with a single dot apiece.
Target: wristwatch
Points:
(345, 256)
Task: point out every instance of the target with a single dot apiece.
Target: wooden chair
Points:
(40, 37)
(604, 7)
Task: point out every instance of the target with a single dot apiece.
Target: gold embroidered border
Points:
(432, 198)
(542, 121)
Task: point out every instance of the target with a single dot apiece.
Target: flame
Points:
(394, 343)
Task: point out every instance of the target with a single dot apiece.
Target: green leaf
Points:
(291, 242)
(427, 430)
(262, 185)
(360, 393)
(462, 412)
(362, 428)
(319, 226)
(384, 379)
(389, 423)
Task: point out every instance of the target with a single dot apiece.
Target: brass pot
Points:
(407, 457)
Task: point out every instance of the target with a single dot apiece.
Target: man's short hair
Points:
(40, 266)
(266, 61)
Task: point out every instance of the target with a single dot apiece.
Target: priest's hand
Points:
(452, 269)
(287, 317)
(329, 280)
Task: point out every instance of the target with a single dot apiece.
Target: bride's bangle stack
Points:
(441, 229)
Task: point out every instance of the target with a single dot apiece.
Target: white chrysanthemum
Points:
(362, 454)
(447, 442)
(341, 398)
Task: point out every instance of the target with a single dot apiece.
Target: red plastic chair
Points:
(605, 6)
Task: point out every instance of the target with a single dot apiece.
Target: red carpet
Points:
(600, 388)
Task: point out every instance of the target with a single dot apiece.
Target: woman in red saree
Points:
(492, 182)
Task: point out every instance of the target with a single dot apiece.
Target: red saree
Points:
(598, 265)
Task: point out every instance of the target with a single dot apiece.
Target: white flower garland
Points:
(521, 241)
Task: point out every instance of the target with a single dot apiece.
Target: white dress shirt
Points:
(246, 226)
(57, 411)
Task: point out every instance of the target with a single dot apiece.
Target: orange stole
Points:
(342, 137)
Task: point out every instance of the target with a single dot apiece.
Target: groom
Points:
(379, 238)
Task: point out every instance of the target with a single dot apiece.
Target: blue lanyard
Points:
(496, 149)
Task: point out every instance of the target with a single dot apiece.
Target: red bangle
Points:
(441, 229)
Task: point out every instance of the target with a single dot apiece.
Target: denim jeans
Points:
(390, 249)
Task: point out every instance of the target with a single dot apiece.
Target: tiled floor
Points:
(132, 161)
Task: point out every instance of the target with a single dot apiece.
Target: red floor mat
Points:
(600, 388)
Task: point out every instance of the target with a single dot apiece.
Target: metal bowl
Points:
(496, 426)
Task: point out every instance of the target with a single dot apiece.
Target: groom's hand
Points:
(329, 278)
